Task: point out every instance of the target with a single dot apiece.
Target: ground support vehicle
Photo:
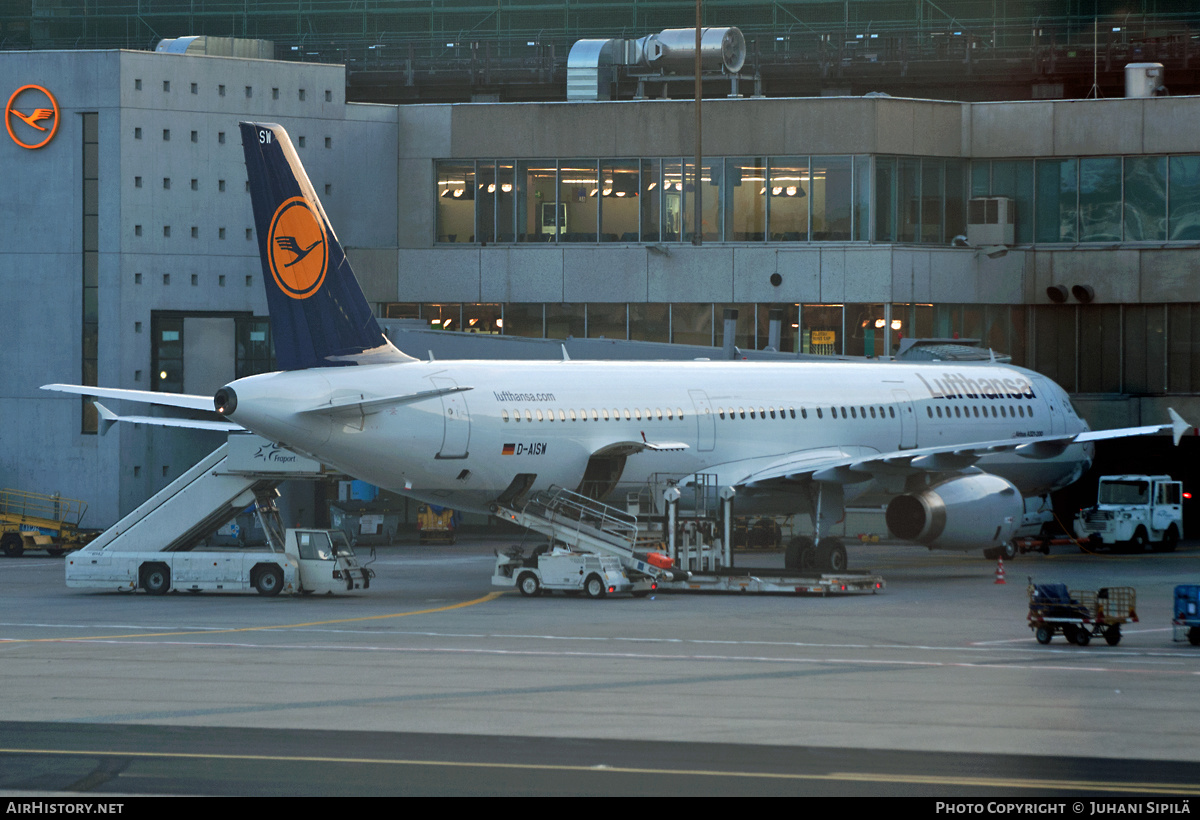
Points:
(1080, 615)
(32, 521)
(735, 579)
(307, 561)
(436, 524)
(563, 570)
(1133, 512)
(1186, 621)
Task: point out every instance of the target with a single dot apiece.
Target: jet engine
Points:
(964, 513)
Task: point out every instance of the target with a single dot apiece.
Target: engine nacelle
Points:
(965, 513)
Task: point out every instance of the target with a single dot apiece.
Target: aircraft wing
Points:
(837, 466)
(184, 400)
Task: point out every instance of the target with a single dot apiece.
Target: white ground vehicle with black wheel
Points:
(310, 561)
(1133, 512)
(563, 570)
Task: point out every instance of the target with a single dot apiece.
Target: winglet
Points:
(1178, 425)
(565, 357)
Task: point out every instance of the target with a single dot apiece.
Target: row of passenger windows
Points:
(602, 414)
(731, 413)
(1004, 411)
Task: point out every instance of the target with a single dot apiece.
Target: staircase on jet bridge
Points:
(583, 523)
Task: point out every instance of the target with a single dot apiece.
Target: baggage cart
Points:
(1080, 615)
(1186, 621)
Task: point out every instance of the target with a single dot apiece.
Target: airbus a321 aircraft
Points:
(952, 449)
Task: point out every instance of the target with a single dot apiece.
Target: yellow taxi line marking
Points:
(491, 596)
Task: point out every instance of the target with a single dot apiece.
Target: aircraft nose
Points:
(225, 401)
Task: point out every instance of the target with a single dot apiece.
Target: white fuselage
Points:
(462, 449)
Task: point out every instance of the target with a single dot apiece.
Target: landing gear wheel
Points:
(793, 556)
(594, 587)
(269, 581)
(1043, 634)
(156, 579)
(1082, 637)
(1008, 550)
(12, 545)
(528, 584)
(1112, 635)
(830, 556)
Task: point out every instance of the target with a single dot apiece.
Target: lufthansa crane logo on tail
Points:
(297, 248)
(31, 116)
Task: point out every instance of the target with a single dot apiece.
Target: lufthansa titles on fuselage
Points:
(958, 386)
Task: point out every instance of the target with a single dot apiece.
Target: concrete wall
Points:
(350, 148)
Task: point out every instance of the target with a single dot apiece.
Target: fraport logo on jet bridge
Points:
(31, 116)
(297, 248)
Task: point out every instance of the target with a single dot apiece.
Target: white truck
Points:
(311, 561)
(1133, 512)
(566, 571)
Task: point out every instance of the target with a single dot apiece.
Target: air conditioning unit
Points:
(990, 220)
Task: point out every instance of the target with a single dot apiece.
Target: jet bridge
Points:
(247, 468)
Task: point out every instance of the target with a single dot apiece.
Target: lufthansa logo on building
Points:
(297, 248)
(31, 116)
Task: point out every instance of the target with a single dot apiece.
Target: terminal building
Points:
(1064, 233)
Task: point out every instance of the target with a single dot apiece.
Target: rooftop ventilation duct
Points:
(673, 51)
(1144, 80)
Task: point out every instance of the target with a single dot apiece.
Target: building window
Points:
(328, 95)
(195, 184)
(166, 354)
(274, 94)
(195, 88)
(166, 135)
(167, 85)
(195, 136)
(137, 133)
(249, 92)
(220, 137)
(255, 352)
(301, 95)
(166, 183)
(137, 85)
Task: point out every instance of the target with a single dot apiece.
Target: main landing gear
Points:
(804, 554)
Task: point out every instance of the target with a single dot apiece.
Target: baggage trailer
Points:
(34, 521)
(754, 579)
(1186, 621)
(1078, 614)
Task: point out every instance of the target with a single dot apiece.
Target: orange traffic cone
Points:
(1000, 571)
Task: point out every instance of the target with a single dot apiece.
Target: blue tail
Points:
(319, 316)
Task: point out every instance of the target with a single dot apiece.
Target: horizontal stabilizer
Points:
(183, 400)
(108, 418)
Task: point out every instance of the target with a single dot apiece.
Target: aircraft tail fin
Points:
(319, 315)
